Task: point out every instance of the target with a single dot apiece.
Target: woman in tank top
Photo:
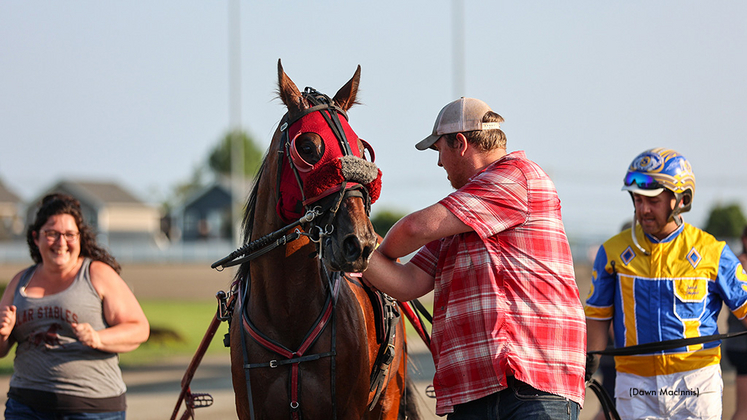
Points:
(70, 314)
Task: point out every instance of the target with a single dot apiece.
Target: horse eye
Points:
(309, 150)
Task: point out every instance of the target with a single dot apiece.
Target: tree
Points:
(383, 220)
(726, 221)
(182, 190)
(220, 157)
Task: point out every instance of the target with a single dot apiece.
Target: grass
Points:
(177, 330)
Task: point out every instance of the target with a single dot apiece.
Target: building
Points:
(11, 214)
(115, 214)
(205, 215)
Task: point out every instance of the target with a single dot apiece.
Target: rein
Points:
(665, 345)
(265, 244)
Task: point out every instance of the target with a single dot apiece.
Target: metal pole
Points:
(234, 94)
(457, 47)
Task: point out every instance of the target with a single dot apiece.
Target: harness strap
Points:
(246, 373)
(278, 348)
(415, 320)
(292, 358)
(665, 345)
(277, 363)
(334, 123)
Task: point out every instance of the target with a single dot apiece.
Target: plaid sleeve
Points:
(427, 258)
(492, 202)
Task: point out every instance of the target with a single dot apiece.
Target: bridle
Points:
(317, 224)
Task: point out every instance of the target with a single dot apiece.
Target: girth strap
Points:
(390, 316)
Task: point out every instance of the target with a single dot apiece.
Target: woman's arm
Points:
(8, 316)
(128, 325)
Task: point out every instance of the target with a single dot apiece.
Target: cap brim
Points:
(648, 193)
(427, 142)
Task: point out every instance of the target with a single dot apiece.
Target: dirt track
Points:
(167, 281)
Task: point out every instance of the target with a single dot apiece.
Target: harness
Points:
(358, 178)
(290, 357)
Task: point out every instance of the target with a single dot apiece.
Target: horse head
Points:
(324, 169)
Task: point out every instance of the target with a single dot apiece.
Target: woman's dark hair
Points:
(55, 204)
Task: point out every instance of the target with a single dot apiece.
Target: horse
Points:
(304, 337)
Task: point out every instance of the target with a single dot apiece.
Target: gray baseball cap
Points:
(464, 114)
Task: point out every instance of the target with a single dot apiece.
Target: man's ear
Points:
(461, 144)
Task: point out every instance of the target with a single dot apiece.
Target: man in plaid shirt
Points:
(509, 335)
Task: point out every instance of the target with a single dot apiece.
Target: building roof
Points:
(221, 185)
(8, 196)
(97, 193)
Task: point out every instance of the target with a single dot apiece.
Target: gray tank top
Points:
(49, 356)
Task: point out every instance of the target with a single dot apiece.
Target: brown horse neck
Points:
(287, 292)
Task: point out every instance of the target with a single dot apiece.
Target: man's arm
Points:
(597, 334)
(417, 229)
(401, 281)
(406, 281)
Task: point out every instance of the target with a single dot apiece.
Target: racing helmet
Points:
(657, 169)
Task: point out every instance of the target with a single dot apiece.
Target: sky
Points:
(138, 92)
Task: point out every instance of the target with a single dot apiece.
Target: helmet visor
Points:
(643, 181)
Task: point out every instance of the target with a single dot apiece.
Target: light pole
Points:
(457, 47)
(234, 95)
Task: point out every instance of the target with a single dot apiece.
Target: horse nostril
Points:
(352, 248)
(367, 251)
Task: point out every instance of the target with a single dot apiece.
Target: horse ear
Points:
(288, 91)
(345, 97)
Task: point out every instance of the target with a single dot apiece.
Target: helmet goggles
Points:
(643, 181)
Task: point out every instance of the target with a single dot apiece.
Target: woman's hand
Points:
(7, 321)
(87, 335)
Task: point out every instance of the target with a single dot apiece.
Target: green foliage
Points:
(219, 162)
(177, 327)
(383, 220)
(726, 221)
(220, 157)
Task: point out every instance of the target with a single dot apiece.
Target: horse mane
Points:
(247, 224)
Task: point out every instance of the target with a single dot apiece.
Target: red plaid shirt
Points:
(505, 295)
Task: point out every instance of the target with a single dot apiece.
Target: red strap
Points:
(415, 322)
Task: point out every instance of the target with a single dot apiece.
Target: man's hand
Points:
(592, 364)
